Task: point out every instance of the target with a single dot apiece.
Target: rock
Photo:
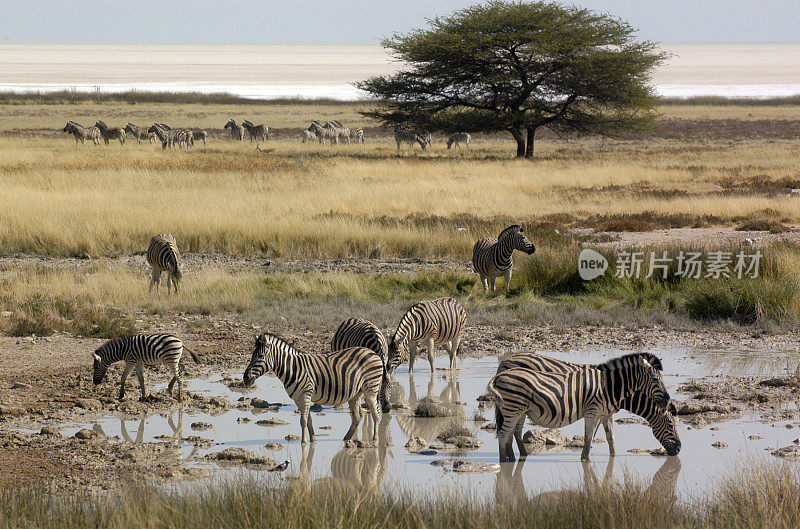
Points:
(484, 398)
(292, 437)
(20, 385)
(578, 441)
(316, 408)
(658, 452)
(777, 382)
(698, 422)
(202, 425)
(553, 436)
(796, 441)
(399, 406)
(442, 463)
(219, 402)
(85, 434)
(275, 446)
(790, 453)
(652, 452)
(325, 427)
(442, 447)
(241, 455)
(415, 444)
(533, 437)
(354, 443)
(50, 430)
(475, 466)
(241, 420)
(198, 441)
(432, 407)
(490, 426)
(480, 418)
(692, 408)
(272, 421)
(464, 442)
(630, 420)
(88, 404)
(259, 403)
(12, 410)
(755, 437)
(427, 452)
(720, 444)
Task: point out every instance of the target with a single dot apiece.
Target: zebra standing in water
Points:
(357, 332)
(140, 133)
(491, 258)
(140, 350)
(434, 322)
(237, 131)
(110, 133)
(256, 131)
(459, 138)
(410, 137)
(163, 256)
(554, 400)
(662, 422)
(82, 134)
(329, 378)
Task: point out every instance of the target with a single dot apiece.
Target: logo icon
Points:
(591, 264)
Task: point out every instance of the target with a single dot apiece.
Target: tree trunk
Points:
(529, 146)
(519, 135)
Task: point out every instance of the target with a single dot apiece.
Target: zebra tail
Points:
(194, 356)
(498, 402)
(382, 396)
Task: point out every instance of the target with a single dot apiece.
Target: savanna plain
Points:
(293, 237)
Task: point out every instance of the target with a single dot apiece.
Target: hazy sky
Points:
(321, 21)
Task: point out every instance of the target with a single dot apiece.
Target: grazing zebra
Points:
(434, 322)
(662, 422)
(163, 256)
(110, 133)
(554, 400)
(237, 131)
(491, 258)
(307, 136)
(166, 135)
(329, 378)
(200, 135)
(407, 136)
(82, 134)
(140, 350)
(140, 133)
(459, 138)
(256, 131)
(358, 134)
(357, 332)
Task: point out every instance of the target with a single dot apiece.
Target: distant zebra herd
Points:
(361, 361)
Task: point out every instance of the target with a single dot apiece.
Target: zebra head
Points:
(69, 127)
(230, 124)
(259, 360)
(396, 356)
(665, 429)
(515, 237)
(100, 367)
(654, 387)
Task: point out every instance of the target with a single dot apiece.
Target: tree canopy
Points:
(516, 67)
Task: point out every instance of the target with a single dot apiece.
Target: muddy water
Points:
(391, 467)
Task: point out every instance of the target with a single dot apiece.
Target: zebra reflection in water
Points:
(429, 428)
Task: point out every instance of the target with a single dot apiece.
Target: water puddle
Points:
(391, 466)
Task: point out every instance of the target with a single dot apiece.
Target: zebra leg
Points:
(508, 280)
(140, 374)
(372, 406)
(155, 279)
(491, 283)
(355, 416)
(430, 353)
(523, 452)
(176, 376)
(608, 426)
(304, 404)
(412, 355)
(125, 373)
(590, 423)
(505, 438)
(484, 282)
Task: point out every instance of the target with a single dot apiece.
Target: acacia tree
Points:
(516, 67)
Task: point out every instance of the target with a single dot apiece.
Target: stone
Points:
(240, 455)
(49, 430)
(464, 442)
(316, 408)
(259, 403)
(219, 402)
(427, 452)
(533, 437)
(20, 385)
(720, 444)
(272, 421)
(490, 426)
(292, 437)
(84, 434)
(88, 404)
(553, 436)
(354, 443)
(755, 437)
(202, 425)
(399, 406)
(415, 444)
(12, 410)
(475, 466)
(432, 407)
(630, 420)
(790, 453)
(325, 427)
(275, 446)
(442, 463)
(698, 422)
(241, 420)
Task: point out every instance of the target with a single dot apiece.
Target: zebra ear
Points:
(96, 357)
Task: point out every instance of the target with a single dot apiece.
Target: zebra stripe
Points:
(434, 322)
(328, 378)
(662, 422)
(492, 258)
(410, 137)
(459, 138)
(163, 256)
(110, 133)
(357, 332)
(138, 351)
(237, 131)
(358, 134)
(554, 400)
(165, 134)
(200, 135)
(82, 134)
(140, 133)
(256, 131)
(307, 136)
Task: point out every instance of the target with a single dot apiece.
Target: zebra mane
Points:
(513, 227)
(653, 360)
(107, 347)
(276, 341)
(625, 361)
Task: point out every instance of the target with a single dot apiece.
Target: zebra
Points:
(491, 258)
(342, 132)
(184, 138)
(200, 135)
(459, 138)
(307, 136)
(433, 322)
(140, 133)
(256, 131)
(166, 135)
(662, 422)
(322, 133)
(140, 350)
(237, 131)
(329, 378)
(557, 399)
(82, 134)
(112, 133)
(357, 332)
(163, 256)
(358, 134)
(407, 136)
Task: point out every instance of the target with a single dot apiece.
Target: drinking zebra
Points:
(237, 131)
(433, 322)
(459, 138)
(662, 422)
(406, 136)
(166, 135)
(491, 258)
(553, 400)
(138, 351)
(163, 256)
(110, 133)
(200, 135)
(329, 378)
(140, 133)
(82, 134)
(256, 131)
(357, 332)
(307, 136)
